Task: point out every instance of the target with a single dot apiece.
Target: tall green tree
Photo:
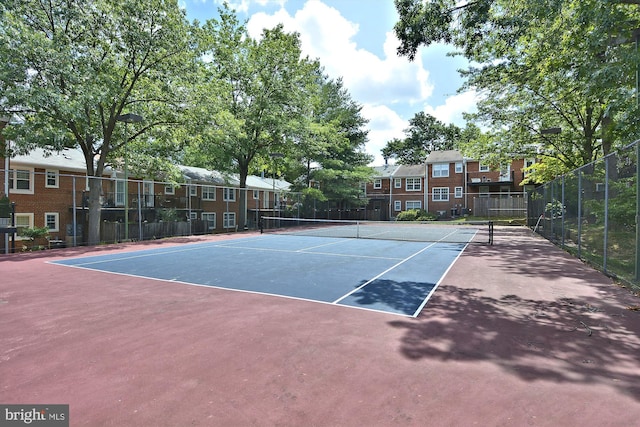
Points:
(254, 92)
(540, 64)
(424, 135)
(329, 146)
(75, 66)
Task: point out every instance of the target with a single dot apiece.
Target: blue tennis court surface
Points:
(382, 275)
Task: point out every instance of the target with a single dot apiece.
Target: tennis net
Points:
(480, 232)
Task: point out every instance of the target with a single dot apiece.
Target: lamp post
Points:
(4, 121)
(127, 118)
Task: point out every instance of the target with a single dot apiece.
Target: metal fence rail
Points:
(592, 212)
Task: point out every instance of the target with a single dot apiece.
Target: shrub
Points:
(415, 215)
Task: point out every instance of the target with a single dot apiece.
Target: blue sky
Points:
(354, 40)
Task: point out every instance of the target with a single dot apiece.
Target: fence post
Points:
(579, 212)
(562, 210)
(75, 216)
(637, 210)
(606, 214)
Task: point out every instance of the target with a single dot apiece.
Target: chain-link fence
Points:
(592, 211)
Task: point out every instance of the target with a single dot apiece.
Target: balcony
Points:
(490, 178)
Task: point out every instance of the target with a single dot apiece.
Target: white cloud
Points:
(451, 111)
(384, 125)
(376, 83)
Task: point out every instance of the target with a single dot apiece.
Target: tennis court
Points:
(393, 269)
(515, 333)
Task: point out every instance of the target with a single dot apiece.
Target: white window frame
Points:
(440, 194)
(147, 193)
(256, 194)
(119, 192)
(193, 190)
(206, 193)
(413, 204)
(53, 175)
(21, 223)
(459, 168)
(440, 170)
(56, 221)
(483, 168)
(458, 192)
(413, 184)
(229, 194)
(377, 183)
(13, 180)
(397, 182)
(206, 216)
(265, 200)
(229, 220)
(169, 189)
(397, 205)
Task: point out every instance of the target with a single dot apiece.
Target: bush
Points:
(415, 215)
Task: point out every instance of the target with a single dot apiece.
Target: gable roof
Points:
(410, 170)
(385, 171)
(445, 156)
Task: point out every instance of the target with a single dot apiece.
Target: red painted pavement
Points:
(517, 334)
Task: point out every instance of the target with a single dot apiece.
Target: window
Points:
(265, 200)
(440, 194)
(527, 164)
(120, 192)
(229, 194)
(484, 168)
(52, 221)
(397, 183)
(23, 220)
(193, 190)
(458, 167)
(51, 179)
(413, 204)
(193, 215)
(229, 220)
(397, 205)
(440, 170)
(256, 194)
(458, 192)
(599, 187)
(413, 184)
(377, 184)
(208, 193)
(210, 217)
(168, 189)
(21, 181)
(147, 191)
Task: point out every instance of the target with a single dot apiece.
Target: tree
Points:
(254, 92)
(540, 64)
(329, 146)
(76, 66)
(424, 135)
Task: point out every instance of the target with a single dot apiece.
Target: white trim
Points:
(56, 227)
(55, 177)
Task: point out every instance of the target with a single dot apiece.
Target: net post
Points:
(491, 233)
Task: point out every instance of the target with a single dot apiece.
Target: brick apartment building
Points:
(449, 185)
(50, 190)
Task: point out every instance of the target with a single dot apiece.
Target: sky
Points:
(354, 40)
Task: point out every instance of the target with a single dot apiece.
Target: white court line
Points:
(428, 297)
(234, 290)
(389, 269)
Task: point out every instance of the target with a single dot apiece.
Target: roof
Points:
(410, 170)
(72, 160)
(68, 159)
(445, 156)
(193, 173)
(385, 171)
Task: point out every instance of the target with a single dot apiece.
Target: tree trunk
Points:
(93, 228)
